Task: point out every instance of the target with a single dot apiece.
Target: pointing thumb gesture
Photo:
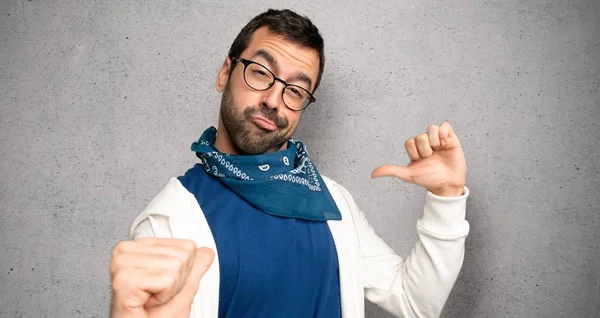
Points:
(437, 162)
(401, 172)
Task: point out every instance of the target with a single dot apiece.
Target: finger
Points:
(134, 247)
(149, 262)
(434, 137)
(172, 255)
(402, 173)
(137, 266)
(411, 149)
(202, 261)
(135, 255)
(423, 146)
(182, 243)
(444, 134)
(175, 247)
(133, 287)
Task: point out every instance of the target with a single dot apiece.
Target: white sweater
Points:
(415, 286)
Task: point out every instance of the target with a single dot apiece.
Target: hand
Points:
(437, 162)
(156, 277)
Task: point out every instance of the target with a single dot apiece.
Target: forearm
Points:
(419, 286)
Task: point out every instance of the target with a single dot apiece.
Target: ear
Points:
(223, 74)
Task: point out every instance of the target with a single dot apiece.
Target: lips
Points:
(263, 122)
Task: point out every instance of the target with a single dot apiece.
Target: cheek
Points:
(243, 95)
(293, 120)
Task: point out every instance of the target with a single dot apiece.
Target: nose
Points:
(272, 97)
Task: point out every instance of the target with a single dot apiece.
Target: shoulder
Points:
(173, 198)
(331, 185)
(172, 192)
(340, 194)
(329, 181)
(334, 186)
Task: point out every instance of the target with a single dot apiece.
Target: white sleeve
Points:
(154, 220)
(419, 285)
(152, 226)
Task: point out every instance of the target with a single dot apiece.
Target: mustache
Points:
(280, 122)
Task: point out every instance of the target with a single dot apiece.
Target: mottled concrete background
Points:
(100, 100)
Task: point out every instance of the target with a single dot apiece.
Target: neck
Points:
(223, 141)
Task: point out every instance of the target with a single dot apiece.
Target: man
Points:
(256, 231)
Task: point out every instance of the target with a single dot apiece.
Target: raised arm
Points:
(419, 285)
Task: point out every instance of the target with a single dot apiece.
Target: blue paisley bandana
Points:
(283, 183)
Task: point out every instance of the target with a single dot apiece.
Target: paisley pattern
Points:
(284, 183)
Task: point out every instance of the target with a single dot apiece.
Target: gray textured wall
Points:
(100, 100)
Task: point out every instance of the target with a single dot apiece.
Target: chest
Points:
(261, 258)
(257, 249)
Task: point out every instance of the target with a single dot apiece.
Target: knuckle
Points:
(175, 263)
(184, 258)
(188, 245)
(119, 280)
(179, 253)
(117, 264)
(120, 248)
(113, 267)
(410, 142)
(422, 137)
(180, 263)
(170, 279)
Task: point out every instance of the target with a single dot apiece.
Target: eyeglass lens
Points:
(260, 78)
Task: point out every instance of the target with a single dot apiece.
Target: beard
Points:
(245, 136)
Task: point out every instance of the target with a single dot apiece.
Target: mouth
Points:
(263, 123)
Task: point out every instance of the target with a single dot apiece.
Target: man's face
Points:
(258, 121)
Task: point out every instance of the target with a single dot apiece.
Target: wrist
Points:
(449, 192)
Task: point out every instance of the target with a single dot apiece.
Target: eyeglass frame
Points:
(247, 62)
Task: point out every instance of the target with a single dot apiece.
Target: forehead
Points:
(291, 57)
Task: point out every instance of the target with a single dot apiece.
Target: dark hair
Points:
(290, 25)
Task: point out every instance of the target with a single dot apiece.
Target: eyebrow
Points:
(299, 76)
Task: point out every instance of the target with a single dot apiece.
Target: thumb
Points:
(180, 305)
(204, 258)
(202, 262)
(402, 173)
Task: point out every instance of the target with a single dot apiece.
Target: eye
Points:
(297, 92)
(261, 73)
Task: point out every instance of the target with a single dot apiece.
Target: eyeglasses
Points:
(260, 78)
